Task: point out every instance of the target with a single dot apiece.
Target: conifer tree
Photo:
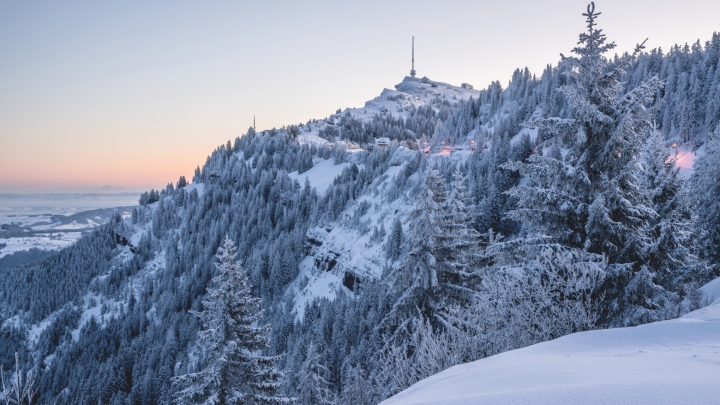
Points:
(418, 277)
(230, 339)
(458, 243)
(134, 217)
(670, 253)
(313, 388)
(395, 241)
(441, 249)
(357, 389)
(706, 188)
(594, 199)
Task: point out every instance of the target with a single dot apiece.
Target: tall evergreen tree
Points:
(235, 374)
(441, 249)
(706, 188)
(458, 243)
(418, 278)
(395, 241)
(670, 252)
(594, 199)
(357, 390)
(313, 388)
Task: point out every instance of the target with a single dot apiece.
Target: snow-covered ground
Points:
(670, 362)
(45, 242)
(321, 175)
(200, 187)
(685, 159)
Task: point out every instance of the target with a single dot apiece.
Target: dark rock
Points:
(351, 281)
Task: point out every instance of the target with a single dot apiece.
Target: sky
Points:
(133, 94)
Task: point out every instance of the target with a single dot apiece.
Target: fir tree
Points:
(395, 241)
(230, 339)
(706, 188)
(313, 388)
(458, 243)
(418, 277)
(441, 250)
(357, 390)
(671, 252)
(134, 217)
(594, 199)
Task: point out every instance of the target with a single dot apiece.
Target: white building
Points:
(466, 86)
(382, 143)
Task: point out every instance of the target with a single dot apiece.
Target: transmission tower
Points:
(412, 72)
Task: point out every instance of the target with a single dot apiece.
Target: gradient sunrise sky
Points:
(136, 93)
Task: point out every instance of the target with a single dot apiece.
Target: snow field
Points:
(59, 241)
(669, 362)
(322, 174)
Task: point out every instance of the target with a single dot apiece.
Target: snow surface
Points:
(45, 242)
(712, 290)
(311, 139)
(320, 284)
(413, 92)
(199, 186)
(669, 362)
(321, 175)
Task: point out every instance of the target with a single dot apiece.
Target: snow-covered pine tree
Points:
(555, 153)
(230, 340)
(498, 181)
(395, 241)
(134, 217)
(357, 389)
(594, 199)
(687, 120)
(313, 388)
(706, 187)
(670, 252)
(457, 244)
(418, 278)
(441, 249)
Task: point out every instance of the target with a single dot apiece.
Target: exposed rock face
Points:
(351, 280)
(315, 238)
(122, 241)
(326, 260)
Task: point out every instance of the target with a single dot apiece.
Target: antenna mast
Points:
(412, 72)
(254, 130)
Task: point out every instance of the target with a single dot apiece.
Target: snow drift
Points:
(669, 362)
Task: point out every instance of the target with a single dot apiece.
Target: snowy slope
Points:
(670, 362)
(322, 174)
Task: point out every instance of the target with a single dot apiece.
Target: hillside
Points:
(394, 264)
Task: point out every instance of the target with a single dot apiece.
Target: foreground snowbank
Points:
(671, 362)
